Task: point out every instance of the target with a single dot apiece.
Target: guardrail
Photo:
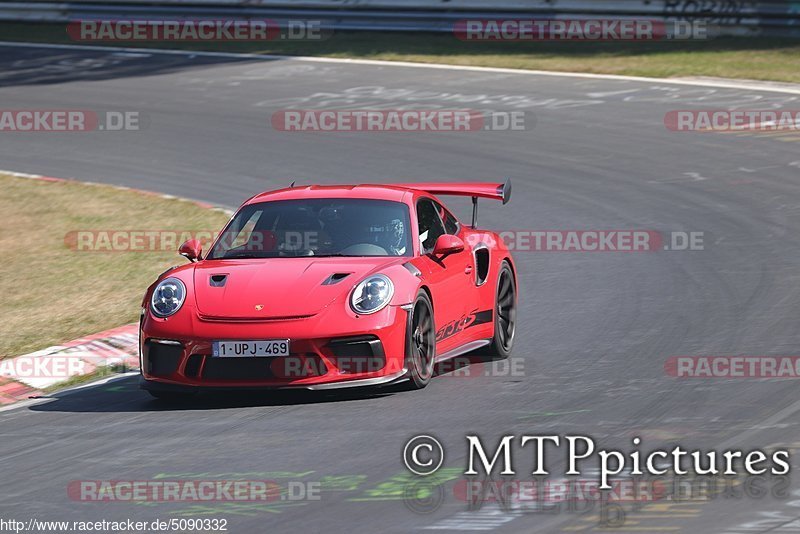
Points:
(731, 17)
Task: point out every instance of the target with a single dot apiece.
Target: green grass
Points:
(54, 293)
(752, 58)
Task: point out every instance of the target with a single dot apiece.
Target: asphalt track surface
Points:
(594, 328)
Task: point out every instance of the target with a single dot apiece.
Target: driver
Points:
(395, 237)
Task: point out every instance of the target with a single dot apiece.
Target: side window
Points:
(430, 225)
(450, 222)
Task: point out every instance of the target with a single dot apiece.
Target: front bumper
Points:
(365, 351)
(169, 387)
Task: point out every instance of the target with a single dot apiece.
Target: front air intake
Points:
(160, 359)
(359, 354)
(335, 278)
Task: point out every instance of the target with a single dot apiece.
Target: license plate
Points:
(250, 349)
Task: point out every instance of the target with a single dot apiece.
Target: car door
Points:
(469, 293)
(449, 277)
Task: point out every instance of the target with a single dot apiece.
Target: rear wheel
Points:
(505, 313)
(421, 351)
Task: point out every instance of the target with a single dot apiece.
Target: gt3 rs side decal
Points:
(473, 318)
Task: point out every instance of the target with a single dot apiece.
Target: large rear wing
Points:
(467, 189)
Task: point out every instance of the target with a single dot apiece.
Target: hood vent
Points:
(335, 278)
(218, 280)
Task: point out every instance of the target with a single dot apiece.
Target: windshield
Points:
(316, 227)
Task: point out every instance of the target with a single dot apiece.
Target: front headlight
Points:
(372, 294)
(168, 297)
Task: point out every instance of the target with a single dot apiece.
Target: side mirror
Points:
(447, 244)
(192, 250)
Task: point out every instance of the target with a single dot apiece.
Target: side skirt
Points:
(463, 349)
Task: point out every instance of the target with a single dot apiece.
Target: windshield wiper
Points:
(241, 255)
(238, 255)
(337, 255)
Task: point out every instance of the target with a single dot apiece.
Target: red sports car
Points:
(320, 287)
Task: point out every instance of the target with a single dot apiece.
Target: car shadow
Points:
(124, 396)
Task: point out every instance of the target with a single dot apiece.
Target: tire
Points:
(505, 314)
(421, 342)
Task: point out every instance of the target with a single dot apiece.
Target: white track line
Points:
(722, 84)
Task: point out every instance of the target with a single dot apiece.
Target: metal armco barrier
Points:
(730, 17)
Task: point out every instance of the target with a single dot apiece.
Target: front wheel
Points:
(505, 314)
(421, 343)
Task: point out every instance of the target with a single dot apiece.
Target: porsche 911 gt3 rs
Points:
(322, 287)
